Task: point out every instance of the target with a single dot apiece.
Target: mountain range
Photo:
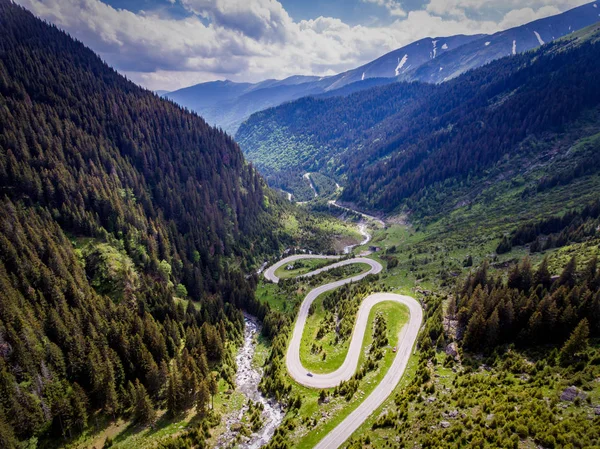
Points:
(395, 145)
(227, 104)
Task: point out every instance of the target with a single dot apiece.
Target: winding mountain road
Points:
(407, 338)
(312, 184)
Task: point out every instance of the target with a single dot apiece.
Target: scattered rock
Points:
(571, 393)
(451, 414)
(445, 424)
(597, 410)
(452, 350)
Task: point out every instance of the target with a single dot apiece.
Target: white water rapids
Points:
(247, 379)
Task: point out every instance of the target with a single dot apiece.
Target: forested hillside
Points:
(309, 132)
(417, 145)
(127, 228)
(495, 112)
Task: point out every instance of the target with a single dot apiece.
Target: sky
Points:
(169, 44)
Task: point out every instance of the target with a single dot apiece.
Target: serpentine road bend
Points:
(407, 338)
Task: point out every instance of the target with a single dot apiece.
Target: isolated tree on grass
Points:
(576, 344)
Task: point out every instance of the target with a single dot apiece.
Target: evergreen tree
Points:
(576, 344)
(174, 391)
(213, 388)
(475, 332)
(567, 277)
(144, 410)
(203, 396)
(542, 275)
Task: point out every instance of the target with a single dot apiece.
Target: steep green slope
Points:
(127, 228)
(503, 110)
(310, 134)
(415, 147)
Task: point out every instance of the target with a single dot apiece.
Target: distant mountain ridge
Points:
(228, 104)
(486, 49)
(403, 144)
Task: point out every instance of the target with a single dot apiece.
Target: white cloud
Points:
(258, 19)
(462, 8)
(518, 17)
(394, 7)
(247, 40)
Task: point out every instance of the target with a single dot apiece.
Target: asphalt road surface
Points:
(407, 338)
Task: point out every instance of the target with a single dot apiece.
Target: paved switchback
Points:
(407, 338)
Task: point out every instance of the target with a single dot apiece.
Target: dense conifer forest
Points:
(127, 228)
(530, 308)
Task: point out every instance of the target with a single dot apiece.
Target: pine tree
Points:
(174, 393)
(576, 344)
(79, 405)
(567, 277)
(213, 388)
(542, 275)
(203, 396)
(144, 410)
(475, 332)
(492, 331)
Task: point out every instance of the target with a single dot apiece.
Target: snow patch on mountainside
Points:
(363, 77)
(487, 43)
(434, 42)
(445, 47)
(539, 38)
(514, 49)
(401, 64)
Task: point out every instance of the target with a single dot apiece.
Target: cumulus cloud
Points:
(462, 8)
(257, 19)
(394, 7)
(518, 17)
(248, 40)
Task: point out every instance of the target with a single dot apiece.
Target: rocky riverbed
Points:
(247, 380)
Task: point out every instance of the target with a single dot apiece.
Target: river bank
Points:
(247, 379)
